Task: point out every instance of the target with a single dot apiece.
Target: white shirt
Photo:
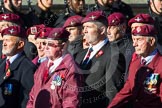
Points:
(96, 48)
(56, 64)
(12, 59)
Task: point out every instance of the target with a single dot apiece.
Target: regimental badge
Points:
(33, 30)
(138, 29)
(57, 81)
(11, 31)
(8, 74)
(72, 23)
(92, 17)
(8, 89)
(99, 53)
(5, 16)
(138, 19)
(150, 84)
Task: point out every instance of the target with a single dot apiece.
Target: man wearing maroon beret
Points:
(116, 33)
(101, 81)
(140, 19)
(144, 86)
(41, 36)
(17, 71)
(57, 80)
(74, 26)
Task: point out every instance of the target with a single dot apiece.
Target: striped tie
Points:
(143, 62)
(86, 60)
(7, 69)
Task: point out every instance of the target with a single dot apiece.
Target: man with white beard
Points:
(16, 76)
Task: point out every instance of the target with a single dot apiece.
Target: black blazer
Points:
(100, 75)
(19, 83)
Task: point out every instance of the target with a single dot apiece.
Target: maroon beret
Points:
(73, 21)
(10, 17)
(59, 34)
(14, 31)
(44, 32)
(145, 30)
(35, 29)
(115, 19)
(141, 18)
(96, 16)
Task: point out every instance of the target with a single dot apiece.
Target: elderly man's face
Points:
(40, 44)
(143, 45)
(115, 32)
(75, 33)
(53, 49)
(91, 33)
(10, 45)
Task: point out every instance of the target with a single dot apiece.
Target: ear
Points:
(102, 30)
(152, 41)
(21, 44)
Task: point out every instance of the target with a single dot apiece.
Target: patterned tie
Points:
(7, 69)
(143, 62)
(85, 61)
(46, 74)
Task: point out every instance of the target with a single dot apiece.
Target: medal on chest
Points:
(56, 81)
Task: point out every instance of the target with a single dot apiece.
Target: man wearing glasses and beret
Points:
(57, 79)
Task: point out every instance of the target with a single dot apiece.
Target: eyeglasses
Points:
(50, 44)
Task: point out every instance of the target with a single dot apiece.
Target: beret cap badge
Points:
(138, 19)
(93, 17)
(5, 16)
(138, 29)
(11, 31)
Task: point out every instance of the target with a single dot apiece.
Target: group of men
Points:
(80, 59)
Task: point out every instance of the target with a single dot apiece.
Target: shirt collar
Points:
(14, 57)
(149, 58)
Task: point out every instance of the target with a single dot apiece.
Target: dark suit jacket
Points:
(101, 77)
(20, 81)
(30, 50)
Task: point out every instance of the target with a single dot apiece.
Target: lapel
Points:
(155, 61)
(81, 56)
(13, 66)
(2, 68)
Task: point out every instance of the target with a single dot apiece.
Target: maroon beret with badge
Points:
(44, 32)
(59, 34)
(14, 31)
(10, 17)
(141, 18)
(35, 29)
(96, 16)
(73, 21)
(115, 19)
(145, 30)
